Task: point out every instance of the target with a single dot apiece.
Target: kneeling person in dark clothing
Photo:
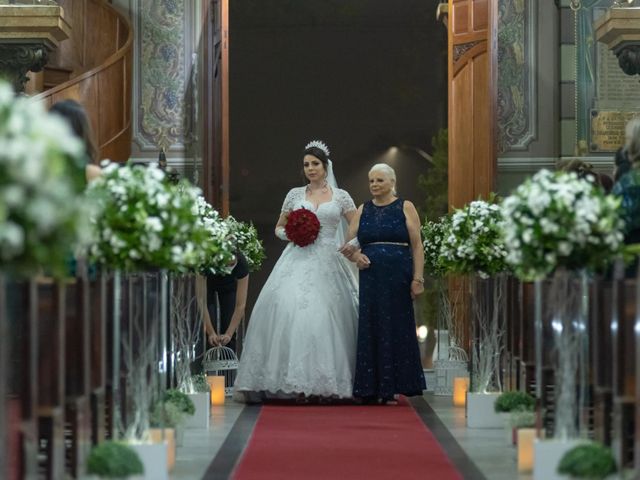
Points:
(231, 291)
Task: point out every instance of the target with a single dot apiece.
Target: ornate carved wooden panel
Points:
(471, 100)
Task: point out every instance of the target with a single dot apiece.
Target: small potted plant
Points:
(185, 407)
(114, 460)
(200, 396)
(520, 419)
(508, 404)
(514, 400)
(165, 420)
(589, 461)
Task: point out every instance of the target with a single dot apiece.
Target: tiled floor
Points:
(201, 446)
(488, 449)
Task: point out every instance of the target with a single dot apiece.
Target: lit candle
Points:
(526, 437)
(216, 385)
(460, 388)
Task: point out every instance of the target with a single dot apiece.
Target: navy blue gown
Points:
(388, 357)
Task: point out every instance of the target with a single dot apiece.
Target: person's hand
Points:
(224, 339)
(214, 340)
(417, 288)
(348, 250)
(362, 262)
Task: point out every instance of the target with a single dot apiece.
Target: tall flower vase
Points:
(487, 317)
(140, 352)
(561, 346)
(186, 322)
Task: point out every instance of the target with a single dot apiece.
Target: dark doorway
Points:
(362, 75)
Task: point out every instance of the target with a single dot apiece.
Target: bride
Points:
(301, 338)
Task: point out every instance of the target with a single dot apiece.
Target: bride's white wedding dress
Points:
(301, 337)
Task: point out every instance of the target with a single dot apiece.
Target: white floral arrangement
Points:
(474, 243)
(434, 234)
(219, 257)
(247, 241)
(146, 222)
(42, 219)
(559, 220)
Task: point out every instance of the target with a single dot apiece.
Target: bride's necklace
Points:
(323, 189)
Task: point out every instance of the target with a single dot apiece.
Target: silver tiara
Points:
(320, 145)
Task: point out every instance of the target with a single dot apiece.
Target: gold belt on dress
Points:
(402, 244)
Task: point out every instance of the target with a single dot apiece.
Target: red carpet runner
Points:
(343, 442)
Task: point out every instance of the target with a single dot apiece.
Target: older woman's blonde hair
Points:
(388, 171)
(632, 134)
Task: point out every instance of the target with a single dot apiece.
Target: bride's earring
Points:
(325, 187)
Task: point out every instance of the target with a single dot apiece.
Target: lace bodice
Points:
(329, 213)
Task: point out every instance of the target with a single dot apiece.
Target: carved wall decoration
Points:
(17, 59)
(462, 48)
(517, 120)
(163, 55)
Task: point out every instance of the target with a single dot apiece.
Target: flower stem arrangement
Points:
(187, 327)
(558, 220)
(302, 227)
(113, 460)
(220, 251)
(474, 243)
(148, 222)
(434, 234)
(589, 461)
(42, 215)
(246, 237)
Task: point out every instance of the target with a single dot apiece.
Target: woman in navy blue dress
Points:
(391, 263)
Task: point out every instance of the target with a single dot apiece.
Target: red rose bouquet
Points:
(302, 227)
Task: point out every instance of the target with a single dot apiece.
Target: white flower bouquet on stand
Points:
(558, 220)
(246, 237)
(450, 361)
(42, 215)
(556, 223)
(146, 222)
(474, 246)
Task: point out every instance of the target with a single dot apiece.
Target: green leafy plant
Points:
(522, 418)
(435, 184)
(199, 383)
(166, 415)
(180, 400)
(514, 400)
(114, 460)
(591, 461)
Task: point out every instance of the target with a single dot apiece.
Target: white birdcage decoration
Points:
(222, 361)
(446, 370)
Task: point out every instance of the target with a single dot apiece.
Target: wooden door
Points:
(472, 99)
(216, 104)
(472, 66)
